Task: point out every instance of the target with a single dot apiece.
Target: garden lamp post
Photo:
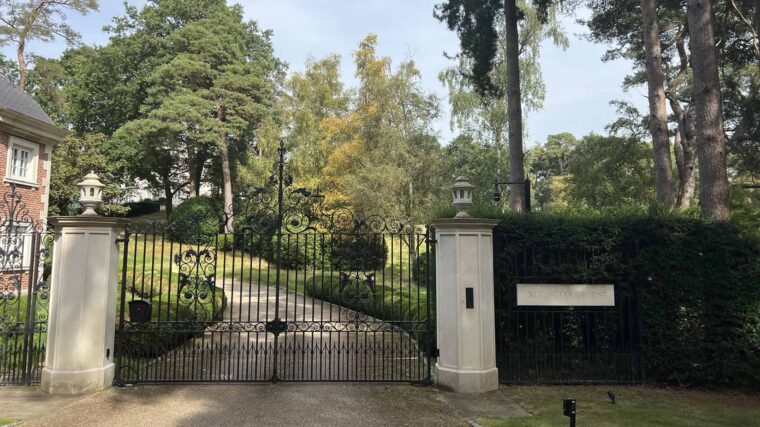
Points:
(462, 190)
(90, 193)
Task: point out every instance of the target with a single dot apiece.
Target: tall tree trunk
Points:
(192, 177)
(686, 195)
(224, 152)
(711, 145)
(168, 193)
(227, 178)
(658, 123)
(514, 107)
(21, 65)
(195, 172)
(686, 137)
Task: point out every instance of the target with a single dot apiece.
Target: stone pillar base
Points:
(76, 382)
(468, 380)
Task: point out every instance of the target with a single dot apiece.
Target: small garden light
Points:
(568, 410)
(462, 190)
(90, 193)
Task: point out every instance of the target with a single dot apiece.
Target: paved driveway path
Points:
(365, 405)
(323, 342)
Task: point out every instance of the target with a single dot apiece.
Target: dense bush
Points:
(299, 251)
(144, 207)
(699, 282)
(423, 268)
(364, 292)
(195, 221)
(358, 252)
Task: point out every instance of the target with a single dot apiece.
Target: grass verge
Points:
(635, 406)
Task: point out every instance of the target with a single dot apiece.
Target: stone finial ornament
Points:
(462, 191)
(90, 193)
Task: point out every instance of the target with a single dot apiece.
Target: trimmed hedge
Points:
(195, 221)
(358, 252)
(699, 281)
(307, 249)
(362, 292)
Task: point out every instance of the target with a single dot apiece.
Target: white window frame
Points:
(20, 238)
(31, 172)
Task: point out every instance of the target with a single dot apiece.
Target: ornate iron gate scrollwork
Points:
(300, 291)
(24, 291)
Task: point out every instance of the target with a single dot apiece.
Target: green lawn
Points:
(152, 273)
(636, 406)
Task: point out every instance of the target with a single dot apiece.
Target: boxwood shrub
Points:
(358, 252)
(303, 250)
(196, 221)
(364, 292)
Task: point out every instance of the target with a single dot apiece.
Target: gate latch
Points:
(276, 326)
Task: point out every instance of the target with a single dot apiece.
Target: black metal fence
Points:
(294, 292)
(556, 344)
(24, 292)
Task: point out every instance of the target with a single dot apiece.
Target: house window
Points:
(16, 247)
(22, 161)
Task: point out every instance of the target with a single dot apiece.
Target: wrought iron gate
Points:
(23, 292)
(294, 291)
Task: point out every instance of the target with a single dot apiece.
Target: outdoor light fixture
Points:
(462, 190)
(568, 410)
(526, 189)
(90, 193)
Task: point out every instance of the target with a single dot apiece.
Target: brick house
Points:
(27, 136)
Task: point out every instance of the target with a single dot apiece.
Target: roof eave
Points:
(24, 126)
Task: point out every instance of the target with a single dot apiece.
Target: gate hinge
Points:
(435, 352)
(276, 326)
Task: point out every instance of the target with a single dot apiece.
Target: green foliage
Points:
(372, 149)
(611, 171)
(74, 158)
(163, 336)
(478, 23)
(195, 221)
(144, 207)
(423, 269)
(701, 308)
(477, 161)
(358, 252)
(304, 250)
(745, 210)
(197, 81)
(361, 291)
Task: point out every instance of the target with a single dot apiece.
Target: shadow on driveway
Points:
(331, 404)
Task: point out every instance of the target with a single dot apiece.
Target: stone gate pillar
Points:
(82, 313)
(465, 299)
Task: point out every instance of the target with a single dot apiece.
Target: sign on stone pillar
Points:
(81, 323)
(465, 305)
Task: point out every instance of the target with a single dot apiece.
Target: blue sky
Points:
(579, 85)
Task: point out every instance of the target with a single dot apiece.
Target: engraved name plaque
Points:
(565, 295)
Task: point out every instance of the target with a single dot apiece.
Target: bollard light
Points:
(568, 410)
(90, 193)
(462, 191)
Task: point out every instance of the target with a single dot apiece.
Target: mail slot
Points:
(469, 298)
(139, 311)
